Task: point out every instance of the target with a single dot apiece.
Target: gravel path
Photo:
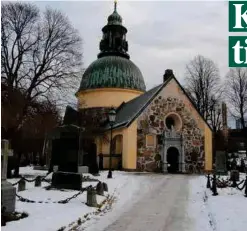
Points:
(161, 209)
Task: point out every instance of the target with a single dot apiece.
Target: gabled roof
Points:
(128, 112)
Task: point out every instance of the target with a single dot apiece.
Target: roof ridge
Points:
(143, 94)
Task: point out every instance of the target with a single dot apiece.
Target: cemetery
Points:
(48, 208)
(37, 196)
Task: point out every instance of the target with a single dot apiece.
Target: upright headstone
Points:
(234, 175)
(91, 197)
(221, 163)
(7, 190)
(21, 185)
(37, 182)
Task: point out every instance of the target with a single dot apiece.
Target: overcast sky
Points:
(161, 35)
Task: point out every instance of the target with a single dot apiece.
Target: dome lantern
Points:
(113, 68)
(114, 40)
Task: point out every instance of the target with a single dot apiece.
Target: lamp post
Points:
(112, 118)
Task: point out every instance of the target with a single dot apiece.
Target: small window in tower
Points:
(150, 140)
(118, 42)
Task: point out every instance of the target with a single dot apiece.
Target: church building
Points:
(155, 130)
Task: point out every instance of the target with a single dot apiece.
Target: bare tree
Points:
(203, 85)
(215, 114)
(236, 85)
(41, 53)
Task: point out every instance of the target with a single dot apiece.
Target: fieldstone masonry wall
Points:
(152, 121)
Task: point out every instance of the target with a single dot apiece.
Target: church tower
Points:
(114, 37)
(113, 78)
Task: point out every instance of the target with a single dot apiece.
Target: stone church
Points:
(155, 130)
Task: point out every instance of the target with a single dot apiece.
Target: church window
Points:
(173, 122)
(150, 140)
(170, 122)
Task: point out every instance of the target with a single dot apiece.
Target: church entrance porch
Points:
(173, 152)
(172, 160)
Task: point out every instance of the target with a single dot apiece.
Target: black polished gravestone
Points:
(221, 168)
(65, 155)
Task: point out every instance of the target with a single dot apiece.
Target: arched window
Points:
(173, 122)
(117, 144)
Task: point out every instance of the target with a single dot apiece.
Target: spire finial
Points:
(115, 5)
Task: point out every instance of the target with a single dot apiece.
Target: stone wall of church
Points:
(152, 121)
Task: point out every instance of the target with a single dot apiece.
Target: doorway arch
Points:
(172, 160)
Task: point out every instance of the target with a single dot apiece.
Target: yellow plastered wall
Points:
(129, 148)
(105, 97)
(208, 148)
(118, 148)
(104, 148)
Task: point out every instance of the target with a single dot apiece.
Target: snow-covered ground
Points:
(225, 212)
(131, 191)
(52, 216)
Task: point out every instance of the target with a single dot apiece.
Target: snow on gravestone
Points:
(7, 190)
(221, 162)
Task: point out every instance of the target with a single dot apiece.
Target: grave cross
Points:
(6, 152)
(7, 190)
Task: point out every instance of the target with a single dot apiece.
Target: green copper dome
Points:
(113, 68)
(112, 72)
(114, 19)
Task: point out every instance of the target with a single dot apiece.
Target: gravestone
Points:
(67, 180)
(105, 187)
(91, 197)
(100, 189)
(7, 190)
(21, 185)
(221, 163)
(234, 175)
(37, 182)
(69, 153)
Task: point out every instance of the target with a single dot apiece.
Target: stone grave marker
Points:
(221, 168)
(100, 189)
(21, 185)
(37, 182)
(7, 190)
(91, 197)
(105, 187)
(234, 176)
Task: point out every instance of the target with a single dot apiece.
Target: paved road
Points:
(161, 209)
